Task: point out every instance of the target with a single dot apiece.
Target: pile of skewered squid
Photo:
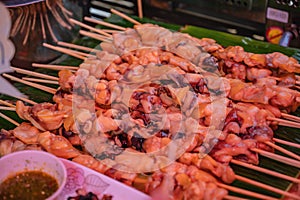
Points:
(166, 113)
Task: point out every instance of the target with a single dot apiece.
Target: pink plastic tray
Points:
(80, 177)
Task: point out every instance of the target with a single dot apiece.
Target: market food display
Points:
(163, 112)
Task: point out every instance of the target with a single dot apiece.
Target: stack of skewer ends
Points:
(35, 22)
(255, 94)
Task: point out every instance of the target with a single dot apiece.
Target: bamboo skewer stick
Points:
(94, 36)
(27, 100)
(75, 46)
(279, 158)
(48, 23)
(64, 9)
(103, 23)
(90, 28)
(290, 117)
(40, 80)
(266, 171)
(64, 50)
(17, 23)
(124, 16)
(43, 26)
(54, 67)
(110, 31)
(27, 32)
(36, 74)
(140, 8)
(57, 16)
(283, 150)
(82, 53)
(267, 187)
(34, 12)
(35, 85)
(79, 53)
(71, 52)
(287, 143)
(9, 119)
(297, 87)
(245, 192)
(7, 108)
(283, 122)
(23, 25)
(7, 104)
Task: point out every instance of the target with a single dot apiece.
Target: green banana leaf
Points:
(225, 39)
(249, 44)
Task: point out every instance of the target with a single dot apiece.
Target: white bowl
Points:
(34, 160)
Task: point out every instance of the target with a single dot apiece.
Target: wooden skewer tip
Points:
(124, 16)
(9, 119)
